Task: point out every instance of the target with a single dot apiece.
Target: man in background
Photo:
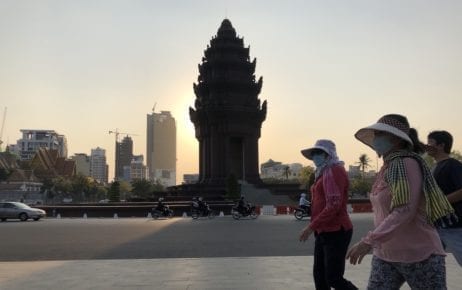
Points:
(448, 175)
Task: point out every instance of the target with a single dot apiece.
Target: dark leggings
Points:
(329, 260)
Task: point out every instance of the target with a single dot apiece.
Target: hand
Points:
(357, 252)
(305, 234)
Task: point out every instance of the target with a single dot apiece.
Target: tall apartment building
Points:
(82, 163)
(124, 155)
(161, 148)
(98, 165)
(137, 169)
(32, 140)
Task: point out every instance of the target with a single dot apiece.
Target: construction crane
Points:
(117, 133)
(1, 130)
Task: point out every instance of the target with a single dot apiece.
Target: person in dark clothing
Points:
(242, 205)
(448, 175)
(161, 207)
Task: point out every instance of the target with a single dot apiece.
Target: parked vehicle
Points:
(248, 211)
(19, 210)
(165, 212)
(301, 212)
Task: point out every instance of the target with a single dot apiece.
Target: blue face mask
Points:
(319, 159)
(382, 144)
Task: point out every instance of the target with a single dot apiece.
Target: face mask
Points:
(382, 145)
(319, 159)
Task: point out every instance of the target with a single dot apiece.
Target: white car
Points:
(19, 210)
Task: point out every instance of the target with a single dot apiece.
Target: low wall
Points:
(179, 208)
(123, 210)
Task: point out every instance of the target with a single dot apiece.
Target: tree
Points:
(360, 186)
(305, 175)
(286, 171)
(364, 162)
(157, 186)
(80, 186)
(456, 155)
(429, 160)
(114, 192)
(4, 174)
(142, 188)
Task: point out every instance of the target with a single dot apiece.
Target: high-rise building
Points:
(137, 169)
(82, 163)
(98, 165)
(124, 155)
(32, 140)
(161, 148)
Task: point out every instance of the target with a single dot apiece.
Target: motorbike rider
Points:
(195, 203)
(242, 205)
(304, 203)
(203, 207)
(161, 207)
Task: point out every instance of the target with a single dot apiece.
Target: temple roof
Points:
(226, 29)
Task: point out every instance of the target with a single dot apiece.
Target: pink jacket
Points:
(402, 235)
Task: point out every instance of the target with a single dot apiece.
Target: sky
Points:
(329, 68)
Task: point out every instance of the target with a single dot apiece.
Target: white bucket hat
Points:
(385, 124)
(325, 145)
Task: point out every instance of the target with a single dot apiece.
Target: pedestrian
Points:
(330, 222)
(407, 203)
(303, 203)
(448, 175)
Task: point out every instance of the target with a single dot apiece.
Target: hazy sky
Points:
(83, 68)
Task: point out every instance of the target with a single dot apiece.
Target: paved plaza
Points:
(127, 263)
(181, 274)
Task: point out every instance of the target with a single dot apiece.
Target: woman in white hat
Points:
(330, 222)
(407, 204)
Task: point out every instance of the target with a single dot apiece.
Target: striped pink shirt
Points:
(402, 235)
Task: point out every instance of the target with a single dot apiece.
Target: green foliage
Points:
(142, 188)
(361, 186)
(157, 186)
(287, 172)
(429, 160)
(364, 162)
(4, 174)
(232, 187)
(273, 180)
(456, 155)
(125, 187)
(63, 185)
(306, 174)
(114, 192)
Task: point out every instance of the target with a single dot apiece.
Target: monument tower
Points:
(228, 114)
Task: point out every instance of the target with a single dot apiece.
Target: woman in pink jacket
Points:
(407, 205)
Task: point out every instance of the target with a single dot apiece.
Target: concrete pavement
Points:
(182, 274)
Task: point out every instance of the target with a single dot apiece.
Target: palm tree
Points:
(364, 162)
(287, 172)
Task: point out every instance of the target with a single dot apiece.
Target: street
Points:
(143, 238)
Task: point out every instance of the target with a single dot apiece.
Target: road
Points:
(142, 238)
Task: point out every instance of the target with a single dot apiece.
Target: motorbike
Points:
(205, 211)
(248, 211)
(166, 212)
(300, 212)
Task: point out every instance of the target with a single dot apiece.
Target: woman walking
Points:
(406, 203)
(330, 222)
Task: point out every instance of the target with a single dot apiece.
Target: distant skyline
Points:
(85, 67)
